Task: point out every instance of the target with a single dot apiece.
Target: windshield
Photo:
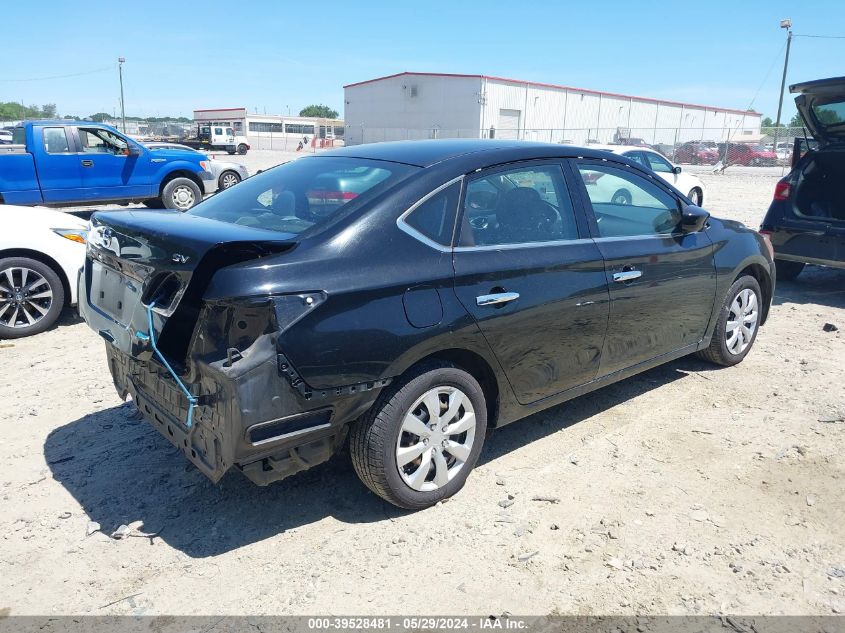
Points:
(304, 193)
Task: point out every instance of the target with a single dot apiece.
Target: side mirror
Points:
(133, 150)
(693, 218)
(677, 169)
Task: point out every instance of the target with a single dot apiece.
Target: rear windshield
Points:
(830, 114)
(302, 194)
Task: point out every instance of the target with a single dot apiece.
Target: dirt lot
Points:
(688, 489)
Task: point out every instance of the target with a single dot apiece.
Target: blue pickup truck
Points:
(60, 163)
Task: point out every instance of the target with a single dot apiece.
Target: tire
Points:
(377, 438)
(228, 179)
(154, 203)
(24, 313)
(621, 196)
(787, 271)
(723, 349)
(181, 194)
(242, 149)
(695, 196)
(230, 152)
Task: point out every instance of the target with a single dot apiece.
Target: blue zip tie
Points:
(151, 337)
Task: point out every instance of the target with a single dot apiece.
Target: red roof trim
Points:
(560, 87)
(221, 110)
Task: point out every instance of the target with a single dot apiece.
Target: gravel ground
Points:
(685, 490)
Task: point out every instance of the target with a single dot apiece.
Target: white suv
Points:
(687, 184)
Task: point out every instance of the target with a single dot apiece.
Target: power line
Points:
(823, 37)
(50, 78)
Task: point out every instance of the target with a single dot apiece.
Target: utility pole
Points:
(784, 24)
(120, 61)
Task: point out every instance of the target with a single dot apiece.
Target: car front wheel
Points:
(181, 194)
(737, 325)
(31, 297)
(228, 179)
(421, 439)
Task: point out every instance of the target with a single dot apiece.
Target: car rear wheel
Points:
(787, 271)
(228, 179)
(31, 297)
(421, 439)
(737, 325)
(695, 196)
(181, 194)
(242, 149)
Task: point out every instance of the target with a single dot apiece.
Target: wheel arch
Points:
(47, 261)
(180, 173)
(764, 278)
(475, 365)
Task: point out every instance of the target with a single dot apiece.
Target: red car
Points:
(742, 154)
(696, 154)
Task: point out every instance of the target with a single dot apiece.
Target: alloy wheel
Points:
(742, 321)
(436, 438)
(228, 180)
(25, 297)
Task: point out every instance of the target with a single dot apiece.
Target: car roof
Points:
(430, 152)
(621, 149)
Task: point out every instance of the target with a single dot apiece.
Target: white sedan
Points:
(687, 184)
(41, 252)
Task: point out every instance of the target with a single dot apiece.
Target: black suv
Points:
(806, 220)
(406, 297)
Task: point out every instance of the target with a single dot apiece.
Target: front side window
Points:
(518, 206)
(218, 131)
(55, 140)
(99, 141)
(434, 218)
(626, 204)
(658, 163)
(301, 194)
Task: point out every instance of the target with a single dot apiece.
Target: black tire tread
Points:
(368, 435)
(714, 353)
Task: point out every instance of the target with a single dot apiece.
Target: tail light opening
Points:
(782, 190)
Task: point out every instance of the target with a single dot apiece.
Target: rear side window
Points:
(523, 205)
(55, 140)
(434, 218)
(305, 193)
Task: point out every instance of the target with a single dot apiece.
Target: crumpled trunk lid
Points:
(156, 265)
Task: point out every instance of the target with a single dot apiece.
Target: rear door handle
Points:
(496, 299)
(87, 163)
(627, 275)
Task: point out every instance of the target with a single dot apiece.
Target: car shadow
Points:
(815, 285)
(122, 471)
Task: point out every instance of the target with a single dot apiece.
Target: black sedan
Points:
(404, 297)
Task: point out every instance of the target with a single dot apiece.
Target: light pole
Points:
(120, 61)
(784, 24)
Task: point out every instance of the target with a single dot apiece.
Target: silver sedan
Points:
(226, 172)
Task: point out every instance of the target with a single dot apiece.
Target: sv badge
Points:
(179, 258)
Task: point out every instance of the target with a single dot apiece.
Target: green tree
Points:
(99, 117)
(321, 111)
(796, 121)
(48, 111)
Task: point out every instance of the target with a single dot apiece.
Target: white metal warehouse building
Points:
(413, 105)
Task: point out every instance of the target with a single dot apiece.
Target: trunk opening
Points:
(175, 337)
(820, 187)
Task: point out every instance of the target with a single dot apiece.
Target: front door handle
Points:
(496, 299)
(87, 163)
(627, 275)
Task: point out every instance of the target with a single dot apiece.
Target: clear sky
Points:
(273, 55)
